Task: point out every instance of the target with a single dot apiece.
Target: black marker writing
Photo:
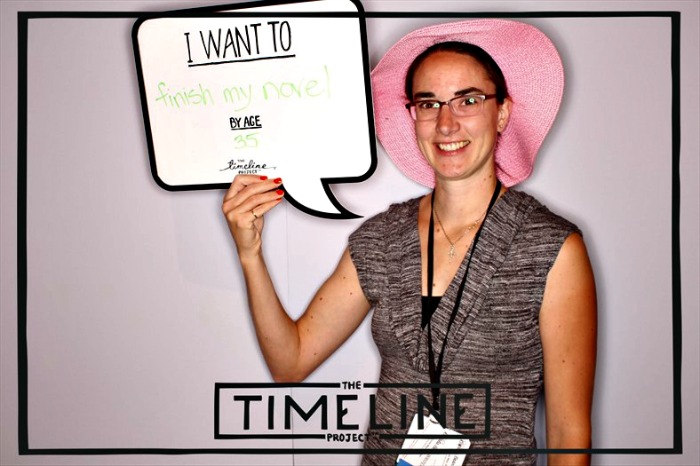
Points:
(234, 40)
(189, 54)
(240, 44)
(285, 32)
(249, 122)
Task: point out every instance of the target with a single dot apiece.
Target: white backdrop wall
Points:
(135, 302)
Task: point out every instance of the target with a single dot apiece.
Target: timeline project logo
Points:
(324, 415)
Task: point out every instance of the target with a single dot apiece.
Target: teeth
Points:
(452, 146)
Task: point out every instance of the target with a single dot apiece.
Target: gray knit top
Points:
(493, 350)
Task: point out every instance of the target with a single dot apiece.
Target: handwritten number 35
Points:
(247, 141)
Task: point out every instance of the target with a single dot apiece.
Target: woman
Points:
(473, 283)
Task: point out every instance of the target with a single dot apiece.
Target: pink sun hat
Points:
(534, 76)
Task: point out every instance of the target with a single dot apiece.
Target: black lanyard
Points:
(436, 370)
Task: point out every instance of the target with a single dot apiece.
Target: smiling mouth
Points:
(453, 146)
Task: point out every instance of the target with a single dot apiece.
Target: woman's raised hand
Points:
(244, 205)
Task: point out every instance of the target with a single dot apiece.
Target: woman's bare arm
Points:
(291, 349)
(568, 327)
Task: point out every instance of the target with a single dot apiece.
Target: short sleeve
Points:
(367, 251)
(549, 231)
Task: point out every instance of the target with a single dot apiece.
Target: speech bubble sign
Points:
(283, 96)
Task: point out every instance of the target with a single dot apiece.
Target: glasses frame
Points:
(411, 106)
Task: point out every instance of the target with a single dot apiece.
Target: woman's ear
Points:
(503, 114)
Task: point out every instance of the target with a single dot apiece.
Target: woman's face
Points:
(458, 147)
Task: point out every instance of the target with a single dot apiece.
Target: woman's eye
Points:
(426, 105)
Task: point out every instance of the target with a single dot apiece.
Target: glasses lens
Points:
(467, 105)
(426, 110)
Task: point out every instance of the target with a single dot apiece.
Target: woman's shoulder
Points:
(536, 215)
(394, 219)
(371, 244)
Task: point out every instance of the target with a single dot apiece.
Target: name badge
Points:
(432, 427)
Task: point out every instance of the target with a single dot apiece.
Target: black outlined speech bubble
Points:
(227, 92)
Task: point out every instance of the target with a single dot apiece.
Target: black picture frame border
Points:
(23, 20)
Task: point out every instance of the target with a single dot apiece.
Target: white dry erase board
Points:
(225, 92)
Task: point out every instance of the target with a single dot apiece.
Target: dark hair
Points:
(493, 71)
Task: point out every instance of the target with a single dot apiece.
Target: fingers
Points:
(258, 204)
(244, 184)
(245, 188)
(262, 209)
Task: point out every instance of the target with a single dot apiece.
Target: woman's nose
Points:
(446, 121)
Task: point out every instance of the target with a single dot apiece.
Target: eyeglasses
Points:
(462, 106)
